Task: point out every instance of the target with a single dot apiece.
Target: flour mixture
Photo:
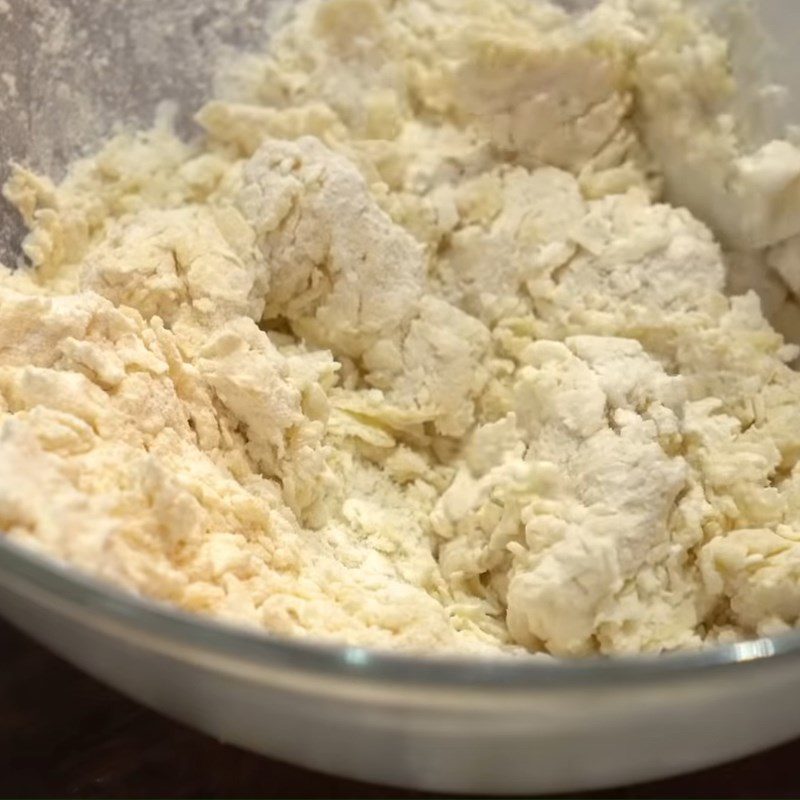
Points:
(409, 352)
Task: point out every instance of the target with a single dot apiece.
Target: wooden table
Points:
(64, 735)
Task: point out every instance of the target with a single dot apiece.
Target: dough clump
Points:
(424, 345)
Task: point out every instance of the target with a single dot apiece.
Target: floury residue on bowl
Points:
(408, 352)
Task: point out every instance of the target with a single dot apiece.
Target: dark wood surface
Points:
(64, 735)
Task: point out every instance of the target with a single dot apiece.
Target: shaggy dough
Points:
(410, 353)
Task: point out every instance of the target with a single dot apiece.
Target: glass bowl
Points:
(497, 726)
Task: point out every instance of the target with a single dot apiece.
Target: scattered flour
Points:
(410, 353)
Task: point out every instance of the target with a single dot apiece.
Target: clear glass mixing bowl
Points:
(71, 70)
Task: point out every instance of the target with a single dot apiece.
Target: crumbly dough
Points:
(410, 351)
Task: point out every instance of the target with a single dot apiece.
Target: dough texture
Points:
(424, 345)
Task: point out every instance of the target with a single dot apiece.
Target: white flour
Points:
(408, 353)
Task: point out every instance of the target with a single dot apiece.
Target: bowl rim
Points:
(65, 586)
